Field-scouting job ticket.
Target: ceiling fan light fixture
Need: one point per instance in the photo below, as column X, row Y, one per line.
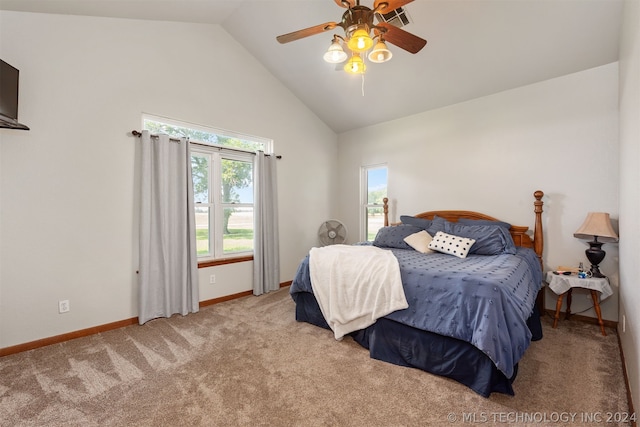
column 355, row 65
column 335, row 54
column 360, row 41
column 380, row 53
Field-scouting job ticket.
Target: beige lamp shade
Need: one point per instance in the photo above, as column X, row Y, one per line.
column 597, row 224
column 380, row 53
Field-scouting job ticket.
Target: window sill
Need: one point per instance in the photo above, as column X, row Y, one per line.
column 223, row 261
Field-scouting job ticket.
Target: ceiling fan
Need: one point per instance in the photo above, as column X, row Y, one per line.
column 357, row 23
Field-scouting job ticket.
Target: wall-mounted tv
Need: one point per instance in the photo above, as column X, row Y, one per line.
column 9, row 78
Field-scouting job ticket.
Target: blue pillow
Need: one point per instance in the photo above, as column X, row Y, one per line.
column 393, row 236
column 418, row 222
column 438, row 224
column 467, row 221
column 490, row 239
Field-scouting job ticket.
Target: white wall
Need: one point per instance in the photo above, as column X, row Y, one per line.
column 630, row 194
column 490, row 154
column 68, row 210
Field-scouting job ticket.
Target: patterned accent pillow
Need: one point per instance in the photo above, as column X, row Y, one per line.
column 420, row 241
column 450, row 244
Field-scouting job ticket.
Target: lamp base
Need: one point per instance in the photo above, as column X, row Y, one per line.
column 595, row 272
column 595, row 255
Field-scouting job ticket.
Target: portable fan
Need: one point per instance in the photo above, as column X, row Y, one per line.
column 332, row 232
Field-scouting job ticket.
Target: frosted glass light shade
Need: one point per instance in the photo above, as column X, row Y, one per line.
column 335, row 54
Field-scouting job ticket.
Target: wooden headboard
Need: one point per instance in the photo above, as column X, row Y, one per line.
column 518, row 232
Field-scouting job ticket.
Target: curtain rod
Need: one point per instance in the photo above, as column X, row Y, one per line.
column 139, row 134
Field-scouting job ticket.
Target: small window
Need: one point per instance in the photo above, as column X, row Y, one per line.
column 374, row 189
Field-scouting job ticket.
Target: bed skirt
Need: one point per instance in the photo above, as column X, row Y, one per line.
column 404, row 345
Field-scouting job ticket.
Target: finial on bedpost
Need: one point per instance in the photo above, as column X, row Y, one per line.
column 385, row 209
column 538, row 240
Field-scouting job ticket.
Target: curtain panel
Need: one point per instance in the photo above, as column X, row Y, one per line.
column 168, row 271
column 266, row 252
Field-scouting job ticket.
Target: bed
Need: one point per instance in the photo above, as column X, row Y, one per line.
column 469, row 317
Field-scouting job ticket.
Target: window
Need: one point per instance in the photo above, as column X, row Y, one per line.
column 374, row 189
column 223, row 181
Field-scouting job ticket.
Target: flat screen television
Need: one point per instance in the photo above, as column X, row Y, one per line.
column 9, row 78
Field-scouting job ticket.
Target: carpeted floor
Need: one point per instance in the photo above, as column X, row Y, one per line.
column 247, row 362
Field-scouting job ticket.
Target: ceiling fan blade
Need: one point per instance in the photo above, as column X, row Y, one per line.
column 347, row 4
column 296, row 35
column 386, row 6
column 402, row 38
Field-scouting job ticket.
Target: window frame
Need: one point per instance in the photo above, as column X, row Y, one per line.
column 215, row 203
column 364, row 198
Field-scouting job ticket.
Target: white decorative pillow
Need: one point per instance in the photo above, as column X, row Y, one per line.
column 419, row 241
column 450, row 244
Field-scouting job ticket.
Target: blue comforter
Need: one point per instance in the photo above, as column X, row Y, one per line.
column 483, row 300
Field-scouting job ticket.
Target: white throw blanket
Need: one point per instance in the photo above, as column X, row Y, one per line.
column 355, row 285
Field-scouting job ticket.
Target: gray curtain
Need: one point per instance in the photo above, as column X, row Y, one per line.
column 168, row 271
column 266, row 253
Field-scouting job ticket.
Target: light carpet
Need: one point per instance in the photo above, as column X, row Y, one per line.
column 247, row 362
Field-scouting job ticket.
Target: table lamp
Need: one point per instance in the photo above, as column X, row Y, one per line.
column 598, row 226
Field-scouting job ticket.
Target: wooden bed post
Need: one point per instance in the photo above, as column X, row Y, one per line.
column 538, row 240
column 385, row 209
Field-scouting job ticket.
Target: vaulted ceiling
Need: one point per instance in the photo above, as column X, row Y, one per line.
column 475, row 47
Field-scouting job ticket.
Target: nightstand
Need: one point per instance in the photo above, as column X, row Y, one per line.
column 563, row 285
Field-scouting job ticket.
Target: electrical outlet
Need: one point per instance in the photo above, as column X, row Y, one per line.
column 63, row 306
column 212, row 279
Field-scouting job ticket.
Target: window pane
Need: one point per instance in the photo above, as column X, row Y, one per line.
column 237, row 181
column 376, row 185
column 375, row 221
column 239, row 143
column 202, row 135
column 200, row 175
column 238, row 230
column 202, row 231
